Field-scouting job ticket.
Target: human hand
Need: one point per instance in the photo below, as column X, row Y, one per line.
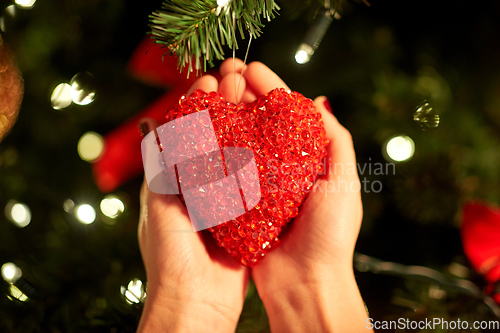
column 307, row 283
column 193, row 285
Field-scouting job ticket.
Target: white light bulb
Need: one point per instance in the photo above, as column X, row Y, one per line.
column 68, row 205
column 82, row 88
column 400, row 148
column 90, row 146
column 302, row 57
column 11, row 273
column 18, row 213
column 303, row 54
column 134, row 293
column 25, row 3
column 111, row 206
column 61, row 96
column 85, row 214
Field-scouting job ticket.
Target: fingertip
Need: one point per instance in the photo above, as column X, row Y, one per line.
column 229, row 66
column 262, row 79
column 341, row 146
column 207, row 83
column 329, row 120
column 256, row 65
column 232, row 87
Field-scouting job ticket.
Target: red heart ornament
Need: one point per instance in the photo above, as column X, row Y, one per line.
column 287, row 137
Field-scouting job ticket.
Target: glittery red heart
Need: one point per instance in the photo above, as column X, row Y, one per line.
column 287, row 137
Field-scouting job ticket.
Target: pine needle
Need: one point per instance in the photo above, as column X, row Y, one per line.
column 196, row 31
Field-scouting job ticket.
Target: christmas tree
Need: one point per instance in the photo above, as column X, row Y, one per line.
column 417, row 86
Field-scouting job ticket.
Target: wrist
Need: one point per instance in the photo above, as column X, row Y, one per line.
column 312, row 279
column 317, row 305
column 164, row 313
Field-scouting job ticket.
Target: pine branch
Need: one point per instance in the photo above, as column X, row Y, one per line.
column 193, row 30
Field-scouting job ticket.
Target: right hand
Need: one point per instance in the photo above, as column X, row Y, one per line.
column 307, row 283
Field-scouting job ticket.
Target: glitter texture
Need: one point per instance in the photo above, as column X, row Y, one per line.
column 287, row 137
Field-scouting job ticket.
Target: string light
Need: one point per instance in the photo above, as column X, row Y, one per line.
column 82, row 88
column 111, row 206
column 90, row 146
column 134, row 293
column 303, row 54
column 11, row 10
column 314, row 36
column 85, row 214
column 18, row 213
column 61, row 96
column 11, row 273
column 400, row 148
column 17, row 293
column 7, row 18
column 25, row 3
column 426, row 116
column 68, row 205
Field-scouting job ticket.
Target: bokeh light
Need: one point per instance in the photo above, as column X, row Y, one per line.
column 11, row 273
column 61, row 96
column 134, row 293
column 426, row 116
column 303, row 54
column 85, row 214
column 82, row 88
column 25, row 3
column 11, row 10
column 90, row 146
column 17, row 293
column 400, row 148
column 68, row 206
column 7, row 18
column 111, row 206
column 18, row 213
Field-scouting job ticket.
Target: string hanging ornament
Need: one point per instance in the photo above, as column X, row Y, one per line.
column 197, row 32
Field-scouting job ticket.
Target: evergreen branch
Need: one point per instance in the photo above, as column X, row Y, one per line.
column 192, row 30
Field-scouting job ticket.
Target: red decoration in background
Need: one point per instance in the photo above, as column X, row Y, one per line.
column 287, row 137
column 121, row 159
column 480, row 232
column 150, row 65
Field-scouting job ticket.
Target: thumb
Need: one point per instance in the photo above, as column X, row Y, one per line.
column 340, row 149
column 161, row 207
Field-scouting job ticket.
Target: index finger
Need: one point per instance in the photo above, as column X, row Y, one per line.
column 262, row 79
column 207, row 83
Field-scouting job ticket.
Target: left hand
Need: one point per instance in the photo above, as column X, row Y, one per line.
column 193, row 285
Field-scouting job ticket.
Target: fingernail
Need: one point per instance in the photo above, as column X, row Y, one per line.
column 143, row 127
column 327, row 105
